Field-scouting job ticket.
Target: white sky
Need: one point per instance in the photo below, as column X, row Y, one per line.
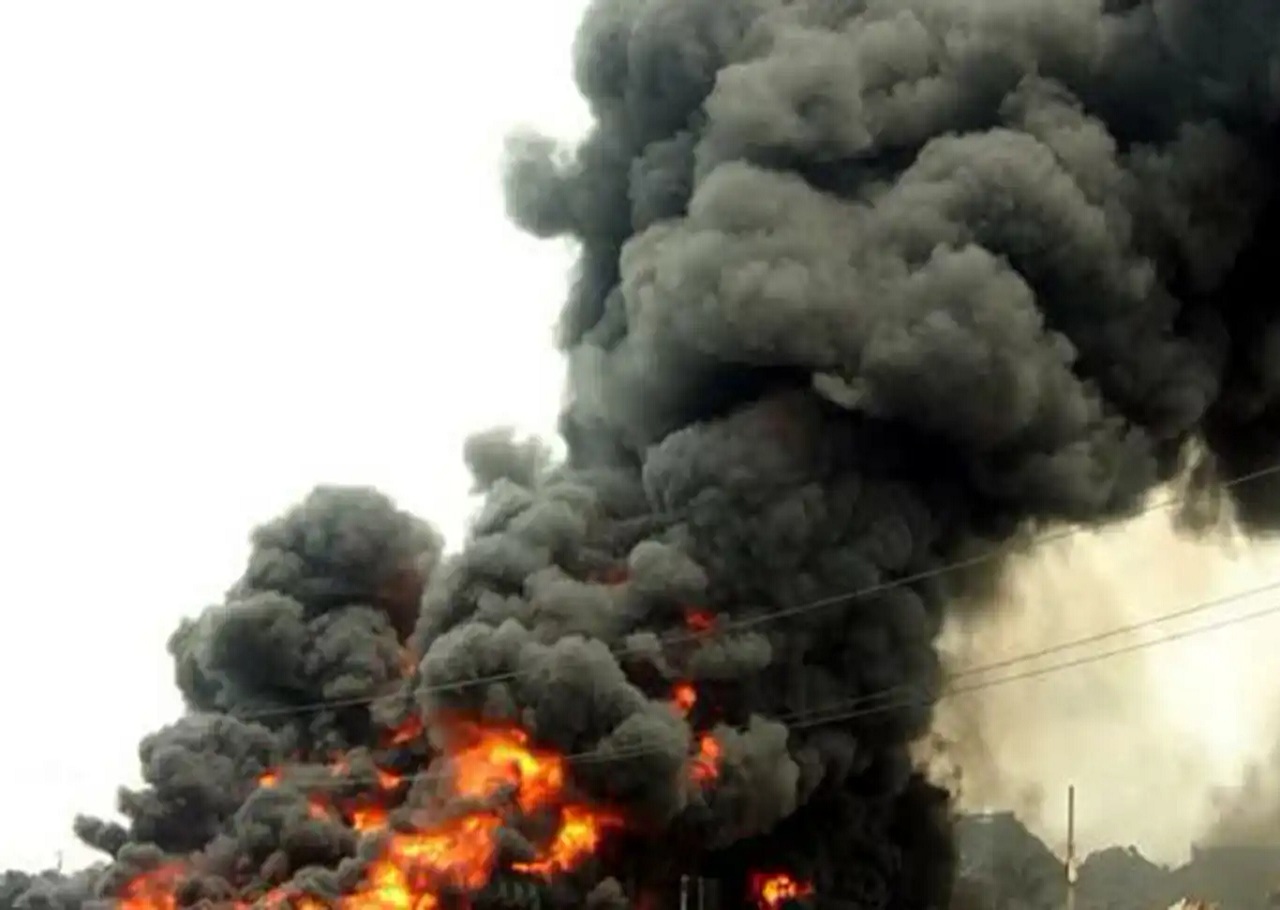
column 245, row 248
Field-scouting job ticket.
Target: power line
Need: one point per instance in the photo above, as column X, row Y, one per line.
column 854, row 708
column 1093, row 638
column 1053, row 668
column 773, row 615
column 1192, row 610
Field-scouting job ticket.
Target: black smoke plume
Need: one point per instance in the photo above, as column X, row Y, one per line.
column 863, row 287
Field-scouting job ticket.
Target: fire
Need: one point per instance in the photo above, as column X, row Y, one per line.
column 697, row 619
column 407, row 731
column 579, row 836
column 705, row 766
column 317, row 806
column 154, row 890
column 770, row 890
column 417, row 865
column 157, row 890
column 364, row 815
column 498, row 768
column 684, row 696
column 368, row 818
column 283, row 899
column 500, row 758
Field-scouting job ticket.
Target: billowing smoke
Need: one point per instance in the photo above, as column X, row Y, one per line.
column 864, row 287
column 1247, row 811
column 1184, row 701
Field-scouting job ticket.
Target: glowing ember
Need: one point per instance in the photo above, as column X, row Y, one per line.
column 771, row 890
column 409, row 730
column 699, row 620
column 684, row 696
column 318, row 809
column 705, row 766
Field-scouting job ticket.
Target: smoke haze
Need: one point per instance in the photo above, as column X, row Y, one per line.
column 1183, row 717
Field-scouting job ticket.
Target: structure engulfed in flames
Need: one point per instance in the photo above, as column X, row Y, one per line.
column 494, row 772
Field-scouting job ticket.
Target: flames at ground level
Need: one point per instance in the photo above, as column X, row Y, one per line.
column 499, row 778
column 491, row 776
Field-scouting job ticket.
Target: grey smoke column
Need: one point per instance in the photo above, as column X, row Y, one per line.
column 865, row 284
column 863, row 287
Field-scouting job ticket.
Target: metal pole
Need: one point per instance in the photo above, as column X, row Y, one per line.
column 684, row 892
column 1071, row 847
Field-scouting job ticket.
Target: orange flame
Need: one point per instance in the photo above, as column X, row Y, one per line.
column 414, row 867
column 500, row 758
column 368, row 818
column 705, row 766
column 360, row 814
column 770, row 890
column 684, row 696
column 282, row 898
column 153, row 890
column 581, row 828
column 318, row 807
column 407, row 731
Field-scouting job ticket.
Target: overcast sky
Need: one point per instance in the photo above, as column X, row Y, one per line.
column 248, row 247
column 245, row 247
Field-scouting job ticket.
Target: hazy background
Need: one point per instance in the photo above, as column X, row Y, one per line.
column 246, row 248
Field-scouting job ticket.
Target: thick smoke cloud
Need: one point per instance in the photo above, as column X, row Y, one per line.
column 319, row 616
column 863, row 286
column 1184, row 711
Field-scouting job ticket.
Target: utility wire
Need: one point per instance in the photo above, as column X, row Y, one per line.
column 749, row 622
column 1092, row 638
column 857, row 707
column 1045, row 671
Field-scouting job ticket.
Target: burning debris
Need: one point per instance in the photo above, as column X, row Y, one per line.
column 864, row 288
column 772, row 890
